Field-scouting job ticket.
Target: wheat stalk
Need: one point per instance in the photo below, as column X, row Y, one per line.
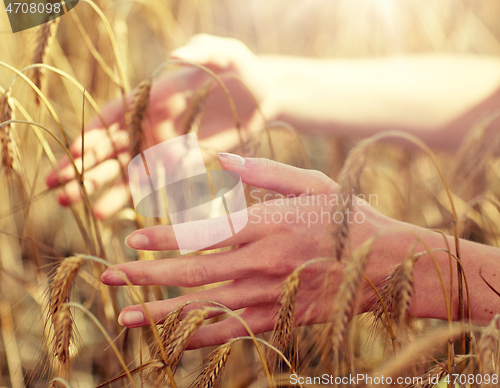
column 46, row 34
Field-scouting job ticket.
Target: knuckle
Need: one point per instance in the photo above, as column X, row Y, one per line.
column 322, row 178
column 140, row 276
column 268, row 165
column 196, row 274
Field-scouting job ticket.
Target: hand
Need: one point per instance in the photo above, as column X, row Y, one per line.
column 281, row 234
column 165, row 118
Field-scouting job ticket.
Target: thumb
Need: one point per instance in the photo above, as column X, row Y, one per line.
column 271, row 175
column 218, row 54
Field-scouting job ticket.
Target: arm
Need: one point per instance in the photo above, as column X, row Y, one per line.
column 428, row 300
column 435, row 97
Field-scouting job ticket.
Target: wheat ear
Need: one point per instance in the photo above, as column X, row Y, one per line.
column 138, row 110
column 11, row 158
column 167, row 328
column 46, row 34
column 195, row 108
column 211, row 375
column 180, row 337
column 282, row 332
column 349, row 185
column 488, row 348
column 344, row 301
column 63, row 282
column 63, row 334
column 398, row 290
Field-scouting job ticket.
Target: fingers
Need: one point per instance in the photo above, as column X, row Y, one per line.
column 235, row 296
column 185, row 272
column 215, row 52
column 112, row 201
column 163, row 237
column 282, row 178
column 104, row 173
column 98, row 148
column 259, row 319
column 112, row 113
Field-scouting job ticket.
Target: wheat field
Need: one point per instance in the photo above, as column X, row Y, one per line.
column 58, row 322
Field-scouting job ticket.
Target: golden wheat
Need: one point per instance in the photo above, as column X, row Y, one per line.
column 137, row 113
column 46, row 34
column 349, row 185
column 10, row 151
column 214, row 368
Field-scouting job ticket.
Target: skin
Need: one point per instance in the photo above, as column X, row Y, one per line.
column 435, row 98
column 267, row 252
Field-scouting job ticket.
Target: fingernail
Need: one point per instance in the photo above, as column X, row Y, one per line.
column 51, row 180
column 233, row 159
column 137, row 241
column 131, row 318
column 63, row 199
column 113, row 277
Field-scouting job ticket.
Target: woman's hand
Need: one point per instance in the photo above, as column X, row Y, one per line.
column 165, row 119
column 281, row 234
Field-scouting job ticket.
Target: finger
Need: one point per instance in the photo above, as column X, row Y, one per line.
column 164, row 237
column 234, row 296
column 94, row 179
column 215, row 52
column 112, row 201
column 282, row 178
column 112, row 113
column 185, row 272
column 98, row 148
column 259, row 319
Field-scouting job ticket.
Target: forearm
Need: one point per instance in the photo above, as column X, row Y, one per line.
column 426, row 95
column 428, row 301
